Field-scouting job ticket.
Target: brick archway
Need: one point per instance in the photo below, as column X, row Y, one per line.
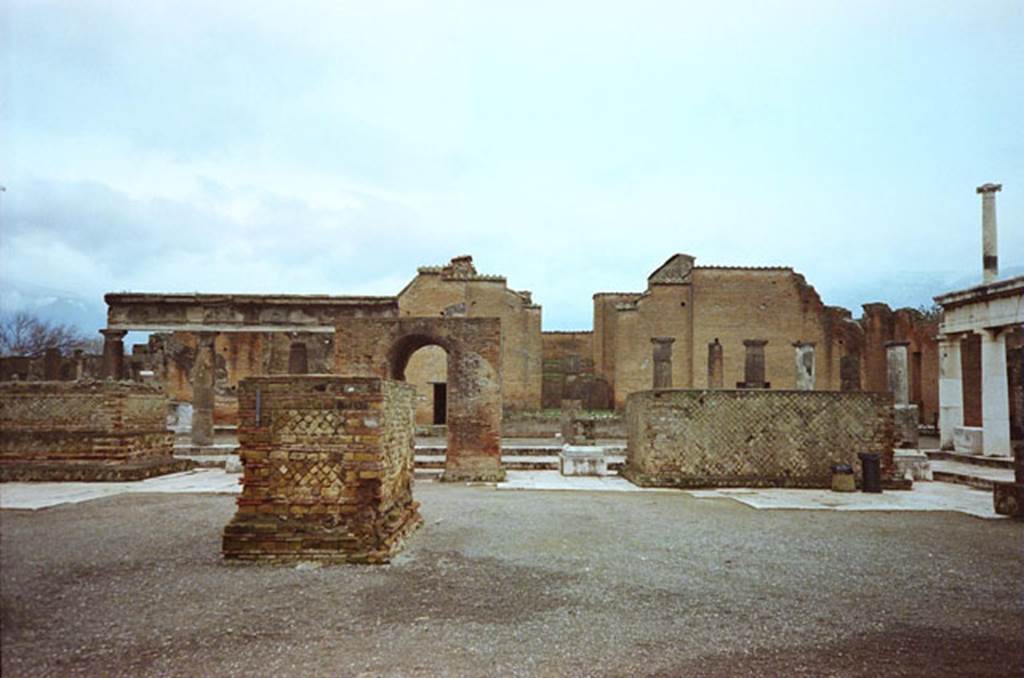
column 381, row 347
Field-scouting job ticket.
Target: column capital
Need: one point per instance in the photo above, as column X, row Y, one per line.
column 113, row 334
column 663, row 340
column 755, row 342
column 894, row 344
column 989, row 188
column 804, row 344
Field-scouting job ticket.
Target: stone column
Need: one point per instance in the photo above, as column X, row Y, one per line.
column 204, row 370
column 804, row 354
column 79, row 364
column 298, row 358
column 716, row 365
column 897, row 371
column 995, row 394
column 989, row 244
column 662, row 349
column 51, row 364
column 951, row 389
column 113, row 354
column 753, row 366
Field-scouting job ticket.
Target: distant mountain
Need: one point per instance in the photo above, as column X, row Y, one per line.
column 54, row 305
column 901, row 289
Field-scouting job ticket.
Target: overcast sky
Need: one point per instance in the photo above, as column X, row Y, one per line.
column 332, row 147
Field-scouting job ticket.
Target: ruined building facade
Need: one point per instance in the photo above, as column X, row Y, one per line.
column 692, row 327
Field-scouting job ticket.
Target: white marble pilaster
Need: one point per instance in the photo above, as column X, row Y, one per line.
column 951, row 389
column 995, row 394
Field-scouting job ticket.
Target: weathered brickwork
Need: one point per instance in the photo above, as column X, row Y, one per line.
column 569, row 371
column 327, row 470
column 86, row 430
column 882, row 325
column 382, row 347
column 753, row 438
column 457, row 290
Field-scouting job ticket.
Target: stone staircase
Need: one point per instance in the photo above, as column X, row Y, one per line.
column 516, row 456
column 970, row 469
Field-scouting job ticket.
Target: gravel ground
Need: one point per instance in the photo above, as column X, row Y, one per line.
column 519, row 583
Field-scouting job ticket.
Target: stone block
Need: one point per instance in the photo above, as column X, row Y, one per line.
column 912, row 465
column 905, row 419
column 968, row 439
column 582, row 460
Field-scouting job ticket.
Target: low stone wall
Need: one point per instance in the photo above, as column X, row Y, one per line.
column 762, row 438
column 84, row 430
column 328, row 469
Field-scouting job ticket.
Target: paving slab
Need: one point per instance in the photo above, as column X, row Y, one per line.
column 34, row 496
column 926, row 496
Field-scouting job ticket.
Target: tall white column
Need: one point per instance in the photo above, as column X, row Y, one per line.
column 989, row 244
column 995, row 394
column 951, row 389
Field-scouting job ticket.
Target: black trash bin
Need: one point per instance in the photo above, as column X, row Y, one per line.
column 871, row 472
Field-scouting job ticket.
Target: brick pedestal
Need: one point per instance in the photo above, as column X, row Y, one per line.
column 328, row 469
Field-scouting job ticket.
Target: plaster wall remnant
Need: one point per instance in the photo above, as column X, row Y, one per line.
column 754, row 438
column 803, row 355
column 382, row 347
column 327, row 470
column 84, row 431
column 661, row 354
column 298, row 358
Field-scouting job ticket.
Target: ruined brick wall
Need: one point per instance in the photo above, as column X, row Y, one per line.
column 753, row 438
column 569, row 372
column 882, row 325
column 776, row 304
column 457, row 290
column 728, row 304
column 605, row 323
column 383, row 347
column 328, row 469
column 239, row 355
column 85, row 430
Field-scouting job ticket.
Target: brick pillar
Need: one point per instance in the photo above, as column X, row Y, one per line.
column 716, row 365
column 662, row 349
column 898, row 371
column 113, row 354
column 204, row 370
column 298, row 358
column 51, row 364
column 804, row 356
column 995, row 394
column 951, row 389
column 753, row 366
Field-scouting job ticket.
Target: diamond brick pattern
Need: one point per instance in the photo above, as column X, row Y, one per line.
column 753, row 438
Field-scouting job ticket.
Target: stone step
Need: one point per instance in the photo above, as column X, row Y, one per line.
column 520, row 450
column 972, row 459
column 972, row 475
column 515, row 462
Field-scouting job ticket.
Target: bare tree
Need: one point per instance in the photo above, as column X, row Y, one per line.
column 24, row 334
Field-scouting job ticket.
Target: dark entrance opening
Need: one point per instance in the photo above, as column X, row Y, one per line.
column 440, row 403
